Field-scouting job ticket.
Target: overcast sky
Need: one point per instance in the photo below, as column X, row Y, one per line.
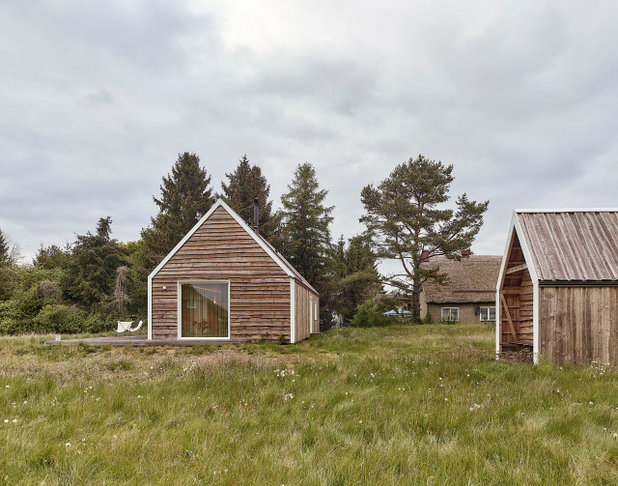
column 98, row 98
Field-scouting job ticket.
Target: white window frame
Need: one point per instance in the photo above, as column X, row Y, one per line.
column 488, row 308
column 180, row 337
column 449, row 313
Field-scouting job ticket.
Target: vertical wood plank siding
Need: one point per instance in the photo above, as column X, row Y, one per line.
column 579, row 324
column 305, row 315
column 222, row 250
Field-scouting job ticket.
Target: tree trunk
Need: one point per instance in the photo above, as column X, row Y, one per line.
column 416, row 299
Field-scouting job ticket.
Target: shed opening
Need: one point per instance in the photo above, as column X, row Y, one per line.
column 516, row 302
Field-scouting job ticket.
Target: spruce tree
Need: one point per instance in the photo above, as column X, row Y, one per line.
column 5, row 251
column 90, row 271
column 244, row 185
column 306, row 223
column 407, row 221
column 186, row 196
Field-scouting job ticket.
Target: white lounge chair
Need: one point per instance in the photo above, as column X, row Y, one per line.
column 124, row 326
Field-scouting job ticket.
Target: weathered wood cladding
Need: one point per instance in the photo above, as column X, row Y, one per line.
column 305, row 319
column 579, row 324
column 222, row 250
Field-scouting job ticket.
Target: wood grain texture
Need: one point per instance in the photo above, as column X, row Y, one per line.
column 578, row 324
column 222, row 250
column 570, row 246
column 305, row 320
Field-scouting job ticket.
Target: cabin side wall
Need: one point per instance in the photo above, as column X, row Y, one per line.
column 222, row 250
column 305, row 319
column 579, row 324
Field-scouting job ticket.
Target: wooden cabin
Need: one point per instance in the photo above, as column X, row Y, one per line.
column 557, row 292
column 468, row 295
column 225, row 282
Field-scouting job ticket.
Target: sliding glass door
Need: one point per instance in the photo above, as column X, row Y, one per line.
column 204, row 309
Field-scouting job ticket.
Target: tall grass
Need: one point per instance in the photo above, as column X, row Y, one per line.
column 397, row 405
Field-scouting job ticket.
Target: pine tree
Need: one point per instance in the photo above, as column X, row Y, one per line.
column 407, row 221
column 90, row 271
column 5, row 250
column 7, row 271
column 186, row 196
column 353, row 276
column 306, row 223
column 244, row 185
column 50, row 257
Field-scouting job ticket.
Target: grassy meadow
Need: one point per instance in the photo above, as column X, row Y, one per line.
column 389, row 406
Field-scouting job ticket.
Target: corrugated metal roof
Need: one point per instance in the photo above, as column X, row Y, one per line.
column 470, row 280
column 572, row 245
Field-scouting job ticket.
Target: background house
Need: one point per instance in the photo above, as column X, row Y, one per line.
column 469, row 293
column 557, row 291
column 225, row 282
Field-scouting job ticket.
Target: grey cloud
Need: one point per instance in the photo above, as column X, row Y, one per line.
column 98, row 99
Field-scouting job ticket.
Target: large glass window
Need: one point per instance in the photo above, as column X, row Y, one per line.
column 450, row 314
column 205, row 309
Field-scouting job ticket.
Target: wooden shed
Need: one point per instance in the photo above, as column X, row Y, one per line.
column 225, row 282
column 557, row 291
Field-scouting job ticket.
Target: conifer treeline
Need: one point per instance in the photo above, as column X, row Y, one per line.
column 98, row 279
column 90, row 282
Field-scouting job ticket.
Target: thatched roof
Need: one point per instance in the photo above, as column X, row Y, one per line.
column 471, row 280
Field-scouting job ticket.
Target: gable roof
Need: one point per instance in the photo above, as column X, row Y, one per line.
column 471, row 280
column 570, row 244
column 259, row 239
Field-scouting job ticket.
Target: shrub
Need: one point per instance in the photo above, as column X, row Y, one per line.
column 56, row 318
column 12, row 318
column 369, row 314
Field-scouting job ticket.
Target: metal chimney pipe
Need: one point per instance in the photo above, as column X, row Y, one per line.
column 256, row 215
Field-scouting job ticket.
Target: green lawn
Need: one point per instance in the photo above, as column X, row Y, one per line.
column 390, row 406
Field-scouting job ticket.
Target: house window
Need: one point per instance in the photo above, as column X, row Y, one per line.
column 487, row 314
column 450, row 314
column 204, row 310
